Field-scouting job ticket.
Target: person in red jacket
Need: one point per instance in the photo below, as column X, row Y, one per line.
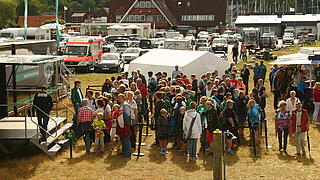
column 142, row 88
column 298, row 126
column 316, row 102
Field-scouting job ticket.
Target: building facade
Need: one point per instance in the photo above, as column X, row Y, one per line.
column 171, row 14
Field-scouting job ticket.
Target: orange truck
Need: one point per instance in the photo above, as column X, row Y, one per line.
column 83, row 52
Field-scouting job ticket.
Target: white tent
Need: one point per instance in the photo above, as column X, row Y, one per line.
column 52, row 26
column 189, row 62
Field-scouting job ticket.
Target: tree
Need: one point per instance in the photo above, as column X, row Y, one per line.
column 61, row 21
column 75, row 6
column 7, row 12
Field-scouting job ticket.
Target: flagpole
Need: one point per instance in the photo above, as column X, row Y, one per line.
column 57, row 22
column 25, row 19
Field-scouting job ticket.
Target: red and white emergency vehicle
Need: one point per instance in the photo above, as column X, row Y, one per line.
column 83, row 52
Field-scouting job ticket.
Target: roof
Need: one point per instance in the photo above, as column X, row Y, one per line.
column 78, row 14
column 274, row 19
column 35, row 21
column 29, row 59
column 189, row 62
column 163, row 57
column 165, row 11
column 300, row 18
column 258, row 19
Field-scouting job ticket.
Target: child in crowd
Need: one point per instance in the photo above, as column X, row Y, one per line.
column 163, row 131
column 113, row 136
column 98, row 125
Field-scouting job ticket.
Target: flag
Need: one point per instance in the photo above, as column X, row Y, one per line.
column 58, row 34
column 25, row 19
column 292, row 9
column 65, row 8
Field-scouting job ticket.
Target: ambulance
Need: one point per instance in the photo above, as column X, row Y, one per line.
column 83, row 53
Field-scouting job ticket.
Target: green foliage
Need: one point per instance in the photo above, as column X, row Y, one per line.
column 7, row 12
column 61, row 21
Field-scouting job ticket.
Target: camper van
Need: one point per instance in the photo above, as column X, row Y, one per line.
column 251, row 37
column 83, row 52
column 18, row 34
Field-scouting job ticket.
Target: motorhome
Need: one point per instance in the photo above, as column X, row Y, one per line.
column 19, row 33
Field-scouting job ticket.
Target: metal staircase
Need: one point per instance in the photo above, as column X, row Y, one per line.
column 26, row 127
column 55, row 140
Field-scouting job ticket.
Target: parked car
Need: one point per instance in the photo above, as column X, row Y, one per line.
column 203, row 34
column 110, row 62
column 109, row 49
column 147, row 44
column 238, row 37
column 209, row 49
column 190, row 37
column 220, row 44
column 122, row 45
column 130, row 54
column 288, row 38
column 232, row 39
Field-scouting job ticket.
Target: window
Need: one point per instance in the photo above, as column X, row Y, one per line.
column 197, row 17
column 188, row 3
column 142, row 4
column 148, row 4
column 137, row 18
column 137, row 5
column 149, row 18
column 118, row 18
column 142, row 18
column 131, row 18
column 153, row 5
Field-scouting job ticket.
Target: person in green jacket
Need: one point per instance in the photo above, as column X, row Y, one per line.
column 202, row 111
column 263, row 69
column 76, row 99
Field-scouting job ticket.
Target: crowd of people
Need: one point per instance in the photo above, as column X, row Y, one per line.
column 183, row 109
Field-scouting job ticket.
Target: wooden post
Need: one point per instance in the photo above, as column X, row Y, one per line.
column 217, row 155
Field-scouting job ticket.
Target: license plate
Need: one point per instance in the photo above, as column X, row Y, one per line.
column 105, row 68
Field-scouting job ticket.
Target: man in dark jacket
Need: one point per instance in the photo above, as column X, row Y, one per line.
column 240, row 108
column 213, row 122
column 43, row 104
column 245, row 73
column 106, row 87
column 276, row 87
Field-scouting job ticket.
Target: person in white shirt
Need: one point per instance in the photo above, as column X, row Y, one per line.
column 192, row 129
column 292, row 101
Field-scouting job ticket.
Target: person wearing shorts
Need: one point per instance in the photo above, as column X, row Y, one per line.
column 163, row 131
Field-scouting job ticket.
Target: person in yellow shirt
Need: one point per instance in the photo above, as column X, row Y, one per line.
column 98, row 125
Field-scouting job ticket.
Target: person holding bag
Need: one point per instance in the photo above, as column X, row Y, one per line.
column 192, row 129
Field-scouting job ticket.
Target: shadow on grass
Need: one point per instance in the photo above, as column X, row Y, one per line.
column 116, row 162
column 183, row 163
column 155, row 156
column 85, row 157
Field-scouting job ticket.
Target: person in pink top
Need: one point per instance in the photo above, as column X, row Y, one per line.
column 241, row 85
column 316, row 102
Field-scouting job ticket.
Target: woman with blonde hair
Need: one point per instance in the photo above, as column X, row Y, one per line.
column 316, row 102
column 282, row 118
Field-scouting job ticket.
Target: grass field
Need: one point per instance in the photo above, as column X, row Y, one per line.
column 269, row 165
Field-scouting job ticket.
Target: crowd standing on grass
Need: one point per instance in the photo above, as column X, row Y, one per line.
column 183, row 109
